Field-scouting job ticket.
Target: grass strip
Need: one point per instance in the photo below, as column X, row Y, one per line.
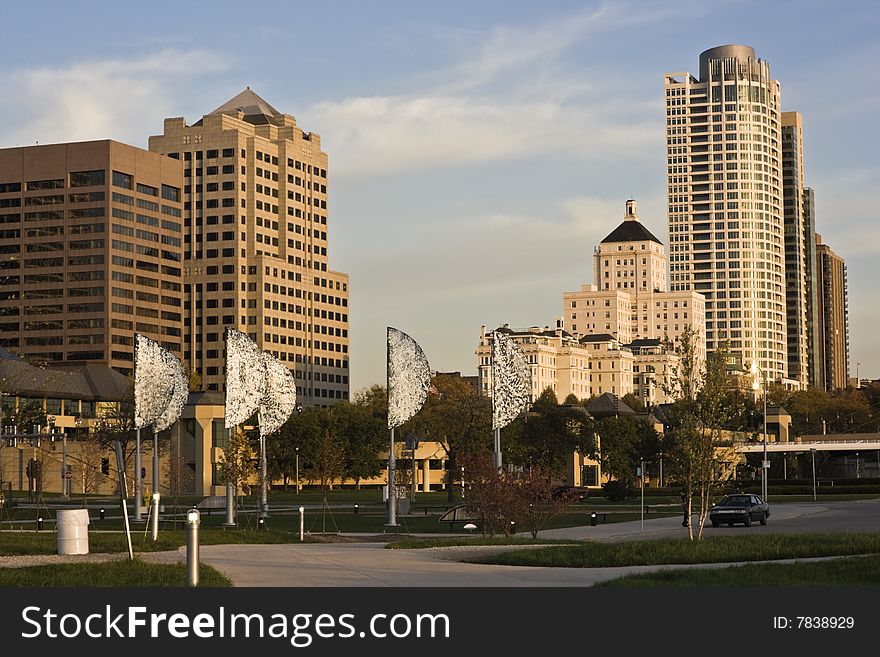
column 121, row 573
column 712, row 549
column 457, row 541
column 17, row 543
column 849, row 571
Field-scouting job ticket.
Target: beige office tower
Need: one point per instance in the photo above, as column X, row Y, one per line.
column 256, row 245
column 833, row 315
column 724, row 186
column 796, row 252
column 91, row 241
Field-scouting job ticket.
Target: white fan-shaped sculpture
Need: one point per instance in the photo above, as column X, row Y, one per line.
column 511, row 380
column 245, row 377
column 409, row 377
column 279, row 399
column 160, row 385
column 256, row 381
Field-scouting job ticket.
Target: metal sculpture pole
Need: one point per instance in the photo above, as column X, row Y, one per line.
column 264, row 484
column 392, row 488
column 138, row 486
column 230, row 505
column 123, row 496
column 155, row 484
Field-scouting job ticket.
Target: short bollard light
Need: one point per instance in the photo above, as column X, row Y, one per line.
column 512, row 528
column 102, row 512
column 261, row 523
column 356, row 508
column 594, row 519
column 40, row 524
column 302, row 523
column 192, row 547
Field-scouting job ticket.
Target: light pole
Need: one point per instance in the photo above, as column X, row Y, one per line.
column 297, row 470
column 813, row 455
column 65, row 482
column 765, row 464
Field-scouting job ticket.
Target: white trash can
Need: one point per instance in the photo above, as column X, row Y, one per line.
column 72, row 527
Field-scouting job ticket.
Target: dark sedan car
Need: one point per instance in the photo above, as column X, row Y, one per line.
column 742, row 507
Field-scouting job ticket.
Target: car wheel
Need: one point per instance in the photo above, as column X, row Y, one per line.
column 730, row 524
column 764, row 518
column 748, row 520
column 714, row 523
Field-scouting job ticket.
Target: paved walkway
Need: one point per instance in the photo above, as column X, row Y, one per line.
column 370, row 564
column 669, row 527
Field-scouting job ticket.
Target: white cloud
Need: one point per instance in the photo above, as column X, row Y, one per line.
column 381, row 135
column 501, row 100
column 124, row 99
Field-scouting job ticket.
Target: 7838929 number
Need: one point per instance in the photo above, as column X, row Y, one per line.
column 825, row 622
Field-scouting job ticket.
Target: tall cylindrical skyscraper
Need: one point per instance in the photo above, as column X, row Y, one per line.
column 725, row 202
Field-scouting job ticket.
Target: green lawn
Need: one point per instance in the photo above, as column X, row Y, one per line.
column 713, row 549
column 44, row 542
column 851, row 571
column 421, row 543
column 122, row 573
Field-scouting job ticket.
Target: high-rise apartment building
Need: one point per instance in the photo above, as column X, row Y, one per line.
column 91, row 239
column 796, row 263
column 811, row 277
column 256, row 245
column 834, row 316
column 725, row 202
column 629, row 299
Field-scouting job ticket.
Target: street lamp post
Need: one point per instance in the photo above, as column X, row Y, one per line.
column 297, row 470
column 813, row 455
column 765, row 464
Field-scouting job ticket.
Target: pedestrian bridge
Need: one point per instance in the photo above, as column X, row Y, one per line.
column 832, row 445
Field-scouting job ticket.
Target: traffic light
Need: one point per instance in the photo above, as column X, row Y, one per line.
column 105, row 466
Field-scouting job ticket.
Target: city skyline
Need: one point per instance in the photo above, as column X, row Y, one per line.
column 480, row 155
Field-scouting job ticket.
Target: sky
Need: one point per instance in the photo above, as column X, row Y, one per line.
column 478, row 151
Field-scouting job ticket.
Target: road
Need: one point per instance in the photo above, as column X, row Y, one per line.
column 370, row 565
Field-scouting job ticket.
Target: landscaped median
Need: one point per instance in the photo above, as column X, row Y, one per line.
column 713, row 549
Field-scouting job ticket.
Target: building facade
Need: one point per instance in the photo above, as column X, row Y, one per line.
column 256, row 245
column 91, row 239
column 556, row 358
column 585, row 365
column 811, row 277
column 796, row 257
column 833, row 315
column 629, row 299
column 725, row 202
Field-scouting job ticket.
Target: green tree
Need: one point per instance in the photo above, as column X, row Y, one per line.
column 550, row 434
column 238, row 461
column 697, row 443
column 281, row 453
column 362, row 435
column 623, row 442
column 459, row 418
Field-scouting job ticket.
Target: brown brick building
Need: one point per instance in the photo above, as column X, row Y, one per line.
column 91, row 250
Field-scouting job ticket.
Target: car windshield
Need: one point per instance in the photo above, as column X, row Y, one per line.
column 735, row 500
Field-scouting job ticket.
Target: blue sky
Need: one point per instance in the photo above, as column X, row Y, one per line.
column 478, row 151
